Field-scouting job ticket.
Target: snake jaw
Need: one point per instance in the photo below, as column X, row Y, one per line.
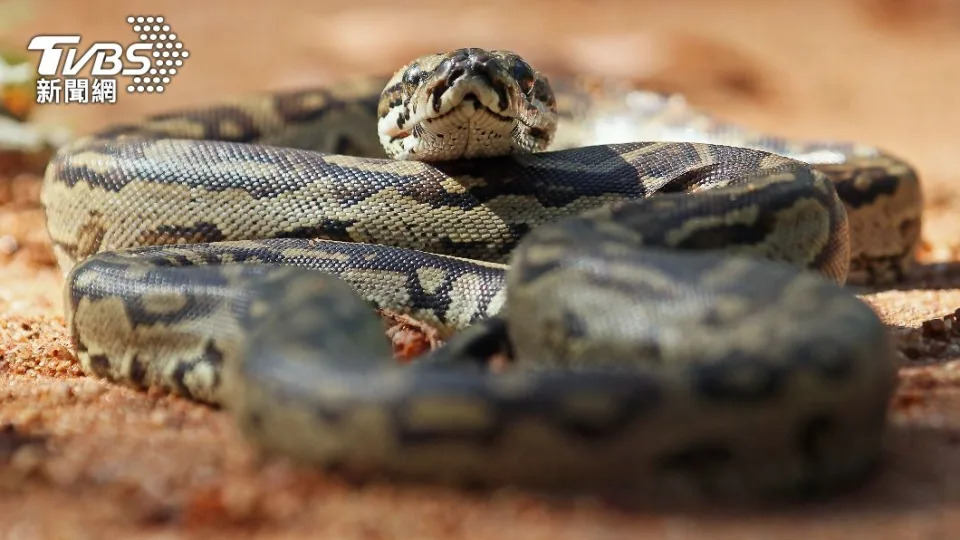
column 463, row 104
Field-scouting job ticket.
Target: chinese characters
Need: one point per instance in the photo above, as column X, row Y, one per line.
column 76, row 90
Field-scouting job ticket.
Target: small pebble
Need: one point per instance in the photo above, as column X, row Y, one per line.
column 27, row 459
column 88, row 389
column 60, row 391
column 934, row 328
column 159, row 417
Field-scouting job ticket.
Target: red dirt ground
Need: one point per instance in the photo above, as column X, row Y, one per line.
column 81, row 458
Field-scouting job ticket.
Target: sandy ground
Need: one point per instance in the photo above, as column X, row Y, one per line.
column 80, row 458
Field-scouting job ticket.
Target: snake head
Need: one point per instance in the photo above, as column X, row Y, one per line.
column 466, row 103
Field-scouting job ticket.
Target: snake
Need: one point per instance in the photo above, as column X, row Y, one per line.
column 668, row 289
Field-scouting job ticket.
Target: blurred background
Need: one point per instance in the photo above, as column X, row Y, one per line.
column 885, row 72
column 880, row 72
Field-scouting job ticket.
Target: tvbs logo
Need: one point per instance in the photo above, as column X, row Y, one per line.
column 151, row 62
column 107, row 57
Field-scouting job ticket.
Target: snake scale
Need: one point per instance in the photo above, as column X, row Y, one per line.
column 673, row 311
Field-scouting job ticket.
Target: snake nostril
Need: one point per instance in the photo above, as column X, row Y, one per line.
column 476, row 62
column 455, row 73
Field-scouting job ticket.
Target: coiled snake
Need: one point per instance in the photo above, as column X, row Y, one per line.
column 663, row 339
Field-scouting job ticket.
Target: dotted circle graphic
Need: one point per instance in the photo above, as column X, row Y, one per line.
column 167, row 52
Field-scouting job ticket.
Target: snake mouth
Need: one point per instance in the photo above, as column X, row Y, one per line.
column 439, row 126
column 473, row 101
column 460, row 112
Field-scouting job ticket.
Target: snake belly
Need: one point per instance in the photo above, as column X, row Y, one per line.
column 665, row 340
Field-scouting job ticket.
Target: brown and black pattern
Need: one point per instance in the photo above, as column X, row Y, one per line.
column 669, row 332
column 881, row 191
column 299, row 193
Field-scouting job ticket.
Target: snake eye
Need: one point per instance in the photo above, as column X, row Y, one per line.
column 523, row 74
column 413, row 75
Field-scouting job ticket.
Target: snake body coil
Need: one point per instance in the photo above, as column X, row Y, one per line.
column 663, row 339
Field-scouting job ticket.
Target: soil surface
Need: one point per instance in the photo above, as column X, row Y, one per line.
column 82, row 458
